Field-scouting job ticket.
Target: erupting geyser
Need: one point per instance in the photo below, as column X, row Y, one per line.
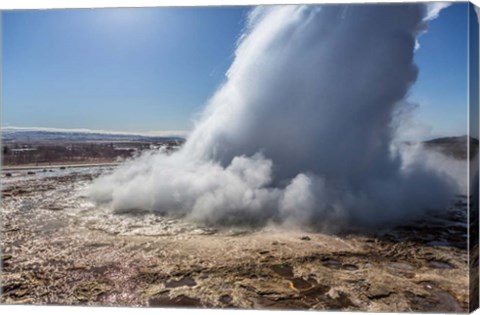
column 301, row 131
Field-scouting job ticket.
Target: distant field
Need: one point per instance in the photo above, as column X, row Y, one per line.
column 35, row 148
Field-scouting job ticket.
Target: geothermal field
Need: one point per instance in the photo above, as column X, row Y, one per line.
column 59, row 247
column 295, row 189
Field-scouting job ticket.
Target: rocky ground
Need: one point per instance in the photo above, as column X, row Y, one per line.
column 59, row 248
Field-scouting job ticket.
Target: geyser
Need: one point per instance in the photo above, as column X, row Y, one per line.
column 302, row 130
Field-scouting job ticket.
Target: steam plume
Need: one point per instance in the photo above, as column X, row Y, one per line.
column 301, row 131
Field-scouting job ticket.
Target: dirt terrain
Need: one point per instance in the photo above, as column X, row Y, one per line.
column 59, row 248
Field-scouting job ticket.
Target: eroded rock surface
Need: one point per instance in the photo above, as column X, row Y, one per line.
column 59, row 248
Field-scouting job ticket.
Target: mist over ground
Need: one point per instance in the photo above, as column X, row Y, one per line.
column 302, row 132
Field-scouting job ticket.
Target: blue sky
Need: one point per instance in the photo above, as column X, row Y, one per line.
column 139, row 70
column 441, row 89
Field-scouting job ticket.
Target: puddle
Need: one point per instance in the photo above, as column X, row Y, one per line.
column 447, row 302
column 349, row 267
column 438, row 300
column 437, row 264
column 332, row 263
column 301, row 284
column 283, row 270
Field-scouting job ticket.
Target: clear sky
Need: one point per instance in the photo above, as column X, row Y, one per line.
column 140, row 70
column 442, row 86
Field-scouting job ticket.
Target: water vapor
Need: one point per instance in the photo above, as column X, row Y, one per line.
column 301, row 132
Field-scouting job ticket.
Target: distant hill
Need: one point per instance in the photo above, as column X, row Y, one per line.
column 456, row 147
column 32, row 135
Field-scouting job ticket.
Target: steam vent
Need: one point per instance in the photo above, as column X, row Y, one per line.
column 315, row 157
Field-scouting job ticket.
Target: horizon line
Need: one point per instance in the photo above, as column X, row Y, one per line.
column 152, row 133
column 170, row 133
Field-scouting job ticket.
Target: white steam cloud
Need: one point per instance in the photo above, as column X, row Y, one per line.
column 433, row 11
column 302, row 130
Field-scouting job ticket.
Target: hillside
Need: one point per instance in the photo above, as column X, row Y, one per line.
column 456, row 147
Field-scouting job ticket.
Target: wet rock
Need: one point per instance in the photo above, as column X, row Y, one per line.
column 55, row 208
column 185, row 281
column 419, row 303
column 96, row 245
column 311, row 279
column 179, row 301
column 401, row 269
column 447, row 302
column 333, row 293
column 428, row 285
column 90, row 291
column 23, row 301
column 332, row 263
column 437, row 264
column 239, row 279
column 401, row 266
column 283, row 270
column 316, row 291
column 248, row 287
column 78, row 267
column 225, row 299
column 289, row 303
column 21, row 293
column 99, row 270
column 341, row 302
column 437, row 301
column 378, row 293
column 203, row 276
column 6, row 257
column 349, row 267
